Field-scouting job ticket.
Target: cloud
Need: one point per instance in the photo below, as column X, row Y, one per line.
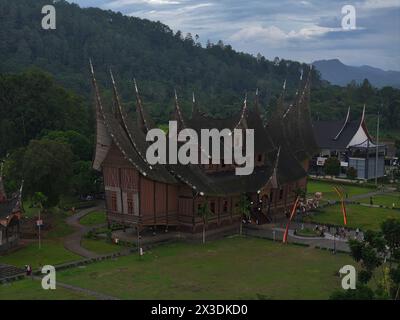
column 124, row 3
column 380, row 4
column 275, row 35
column 304, row 30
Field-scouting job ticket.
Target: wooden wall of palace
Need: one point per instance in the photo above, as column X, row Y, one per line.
column 133, row 198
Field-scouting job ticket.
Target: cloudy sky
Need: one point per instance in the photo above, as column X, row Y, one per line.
column 300, row 30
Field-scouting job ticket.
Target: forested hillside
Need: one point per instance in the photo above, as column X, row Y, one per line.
column 46, row 114
column 160, row 59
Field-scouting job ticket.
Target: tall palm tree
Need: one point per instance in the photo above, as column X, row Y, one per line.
column 243, row 208
column 204, row 212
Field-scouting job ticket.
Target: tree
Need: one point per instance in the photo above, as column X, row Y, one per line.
column 80, row 144
column 377, row 249
column 39, row 200
column 84, row 180
column 13, row 167
column 47, row 168
column 243, row 208
column 351, row 173
column 204, row 212
column 32, row 102
column 397, row 145
column 332, row 166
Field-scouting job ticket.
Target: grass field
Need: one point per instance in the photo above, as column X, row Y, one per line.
column 329, row 194
column 235, row 268
column 94, row 218
column 100, row 246
column 384, row 200
column 52, row 252
column 365, row 218
column 32, row 290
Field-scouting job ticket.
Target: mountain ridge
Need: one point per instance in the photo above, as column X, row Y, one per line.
column 338, row 73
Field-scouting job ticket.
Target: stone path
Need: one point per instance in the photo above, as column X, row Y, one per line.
column 73, row 241
column 95, row 294
column 366, row 196
column 274, row 233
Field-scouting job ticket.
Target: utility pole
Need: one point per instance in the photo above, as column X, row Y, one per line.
column 377, row 148
column 39, row 225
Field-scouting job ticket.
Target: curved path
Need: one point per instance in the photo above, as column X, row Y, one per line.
column 73, row 241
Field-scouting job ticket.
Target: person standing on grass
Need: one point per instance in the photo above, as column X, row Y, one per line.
column 28, row 270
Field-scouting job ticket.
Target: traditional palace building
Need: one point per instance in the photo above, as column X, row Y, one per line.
column 142, row 195
column 350, row 142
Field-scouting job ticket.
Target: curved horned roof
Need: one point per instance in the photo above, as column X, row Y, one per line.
column 286, row 132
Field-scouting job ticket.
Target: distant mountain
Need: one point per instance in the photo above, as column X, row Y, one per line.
column 340, row 74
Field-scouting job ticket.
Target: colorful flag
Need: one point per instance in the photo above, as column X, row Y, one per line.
column 343, row 205
column 285, row 235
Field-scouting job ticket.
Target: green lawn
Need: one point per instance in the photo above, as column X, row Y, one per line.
column 94, row 218
column 384, row 200
column 329, row 194
column 60, row 228
column 235, row 268
column 365, row 218
column 100, row 246
column 32, row 290
column 52, row 252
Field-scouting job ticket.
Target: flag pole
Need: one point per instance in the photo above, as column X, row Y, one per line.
column 377, row 149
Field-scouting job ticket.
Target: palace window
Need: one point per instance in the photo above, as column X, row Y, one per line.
column 114, row 201
column 225, row 206
column 265, row 201
column 281, row 194
column 212, row 207
column 130, row 205
column 259, row 157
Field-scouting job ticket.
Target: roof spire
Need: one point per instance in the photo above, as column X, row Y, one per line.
column 117, row 104
column 178, row 112
column 346, row 121
column 121, row 116
column 103, row 140
column 363, row 114
column 274, row 176
column 99, row 105
column 257, row 101
column 139, row 109
column 194, row 109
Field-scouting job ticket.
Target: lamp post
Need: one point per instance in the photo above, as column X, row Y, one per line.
column 334, row 241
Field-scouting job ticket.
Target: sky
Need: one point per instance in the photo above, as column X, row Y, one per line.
column 304, row 31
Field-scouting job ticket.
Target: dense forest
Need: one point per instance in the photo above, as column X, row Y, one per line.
column 45, row 92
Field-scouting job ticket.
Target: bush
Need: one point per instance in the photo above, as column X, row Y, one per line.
column 332, row 166
column 351, row 173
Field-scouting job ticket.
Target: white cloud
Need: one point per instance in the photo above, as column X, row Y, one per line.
column 273, row 34
column 380, row 4
column 123, row 3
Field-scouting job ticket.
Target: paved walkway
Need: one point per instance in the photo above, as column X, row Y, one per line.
column 95, row 294
column 73, row 241
column 276, row 234
column 368, row 195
